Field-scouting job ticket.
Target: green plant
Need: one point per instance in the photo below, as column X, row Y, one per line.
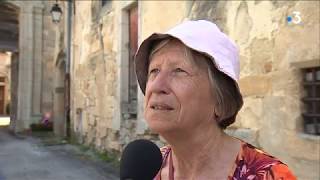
column 41, row 127
column 84, row 148
column 105, row 156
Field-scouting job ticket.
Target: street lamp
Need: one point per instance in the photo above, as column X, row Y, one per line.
column 56, row 13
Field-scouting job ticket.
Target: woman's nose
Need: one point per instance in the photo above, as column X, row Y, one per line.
column 160, row 84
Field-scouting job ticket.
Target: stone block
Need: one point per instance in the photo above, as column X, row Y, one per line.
column 98, row 143
column 257, row 85
column 85, row 124
column 245, row 134
column 102, row 131
column 272, row 121
column 92, row 120
column 114, row 145
column 286, row 82
column 243, row 22
column 261, row 51
column 250, row 114
column 294, row 144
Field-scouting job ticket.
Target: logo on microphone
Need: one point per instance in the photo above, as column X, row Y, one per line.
column 294, row 18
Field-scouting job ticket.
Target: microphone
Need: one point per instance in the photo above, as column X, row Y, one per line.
column 140, row 160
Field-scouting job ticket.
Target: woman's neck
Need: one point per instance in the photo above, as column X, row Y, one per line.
column 195, row 152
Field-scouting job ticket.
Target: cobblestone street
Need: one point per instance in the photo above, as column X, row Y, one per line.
column 26, row 158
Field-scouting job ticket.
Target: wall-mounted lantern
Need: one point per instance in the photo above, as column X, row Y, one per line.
column 56, row 13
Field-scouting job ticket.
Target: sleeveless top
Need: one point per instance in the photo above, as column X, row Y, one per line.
column 250, row 164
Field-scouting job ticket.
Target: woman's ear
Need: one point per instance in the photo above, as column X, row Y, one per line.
column 216, row 115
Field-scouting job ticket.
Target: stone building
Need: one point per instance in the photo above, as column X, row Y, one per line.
column 91, row 50
column 106, row 105
column 26, row 31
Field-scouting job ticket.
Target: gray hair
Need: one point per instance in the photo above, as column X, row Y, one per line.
column 226, row 93
column 163, row 42
column 228, row 99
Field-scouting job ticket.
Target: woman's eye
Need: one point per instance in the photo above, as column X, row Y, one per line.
column 153, row 71
column 179, row 70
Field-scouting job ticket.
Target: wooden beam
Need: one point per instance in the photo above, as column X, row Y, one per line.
column 8, row 26
column 8, row 47
column 9, row 12
column 8, row 36
column 8, row 19
column 8, row 7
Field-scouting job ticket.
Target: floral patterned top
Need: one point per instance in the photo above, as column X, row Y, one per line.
column 251, row 164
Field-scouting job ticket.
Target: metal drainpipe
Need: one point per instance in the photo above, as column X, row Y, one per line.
column 69, row 36
column 67, row 75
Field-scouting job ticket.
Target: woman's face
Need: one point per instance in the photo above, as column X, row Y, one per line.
column 178, row 94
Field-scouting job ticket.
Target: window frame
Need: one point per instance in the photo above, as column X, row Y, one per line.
column 312, row 80
column 311, row 101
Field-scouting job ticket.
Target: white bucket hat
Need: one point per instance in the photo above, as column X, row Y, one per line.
column 202, row 36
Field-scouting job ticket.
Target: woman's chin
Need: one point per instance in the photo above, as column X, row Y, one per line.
column 159, row 127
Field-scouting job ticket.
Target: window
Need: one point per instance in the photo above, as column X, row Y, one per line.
column 2, row 79
column 311, row 116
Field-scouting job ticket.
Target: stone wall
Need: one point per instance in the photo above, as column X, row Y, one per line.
column 94, row 74
column 48, row 54
column 34, row 63
column 271, row 86
column 14, row 89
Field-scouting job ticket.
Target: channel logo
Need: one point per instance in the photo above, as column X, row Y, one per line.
column 294, row 18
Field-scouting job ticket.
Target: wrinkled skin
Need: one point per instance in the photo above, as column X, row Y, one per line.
column 178, row 94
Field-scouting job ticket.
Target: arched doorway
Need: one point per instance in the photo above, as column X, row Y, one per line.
column 9, row 47
column 21, row 32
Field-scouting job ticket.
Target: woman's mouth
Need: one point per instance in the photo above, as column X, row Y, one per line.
column 161, row 107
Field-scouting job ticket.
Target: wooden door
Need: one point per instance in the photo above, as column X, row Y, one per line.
column 2, row 100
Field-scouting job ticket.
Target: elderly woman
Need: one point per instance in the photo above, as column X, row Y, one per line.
column 189, row 78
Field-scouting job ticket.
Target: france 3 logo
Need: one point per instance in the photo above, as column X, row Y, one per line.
column 294, row 18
